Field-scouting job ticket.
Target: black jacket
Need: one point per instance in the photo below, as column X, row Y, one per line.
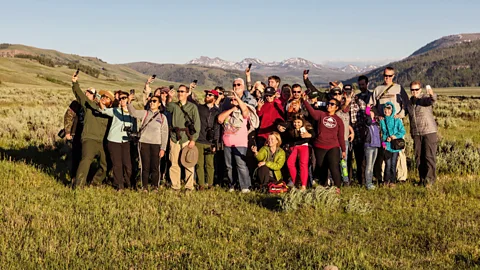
column 208, row 120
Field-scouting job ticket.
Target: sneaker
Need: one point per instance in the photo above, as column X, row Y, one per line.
column 290, row 184
column 346, row 183
column 303, row 188
column 231, row 190
column 245, row 190
column 371, row 187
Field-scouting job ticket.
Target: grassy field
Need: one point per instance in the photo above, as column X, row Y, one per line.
column 47, row 225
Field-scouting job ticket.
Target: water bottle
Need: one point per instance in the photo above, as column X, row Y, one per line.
column 343, row 164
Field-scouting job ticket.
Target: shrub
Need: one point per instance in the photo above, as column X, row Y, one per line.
column 318, row 198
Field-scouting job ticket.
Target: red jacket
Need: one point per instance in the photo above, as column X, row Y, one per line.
column 330, row 129
column 269, row 114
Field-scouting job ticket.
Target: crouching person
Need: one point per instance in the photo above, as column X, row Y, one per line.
column 184, row 132
column 271, row 159
column 153, row 140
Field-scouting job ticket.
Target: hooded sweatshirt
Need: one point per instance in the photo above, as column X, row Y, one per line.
column 391, row 126
column 270, row 113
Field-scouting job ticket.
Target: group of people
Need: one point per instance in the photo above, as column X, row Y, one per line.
column 252, row 136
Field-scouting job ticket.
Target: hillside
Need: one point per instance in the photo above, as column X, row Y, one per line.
column 455, row 66
column 206, row 76
column 20, row 64
column 447, row 41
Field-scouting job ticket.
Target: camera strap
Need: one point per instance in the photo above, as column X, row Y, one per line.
column 150, row 120
column 189, row 119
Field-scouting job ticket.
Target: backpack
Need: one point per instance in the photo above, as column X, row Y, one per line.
column 277, row 187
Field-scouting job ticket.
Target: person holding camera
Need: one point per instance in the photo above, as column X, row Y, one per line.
column 235, row 140
column 95, row 126
column 118, row 142
column 207, row 139
column 423, row 129
column 152, row 137
column 183, row 134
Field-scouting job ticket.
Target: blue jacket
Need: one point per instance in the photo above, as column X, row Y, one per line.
column 395, row 128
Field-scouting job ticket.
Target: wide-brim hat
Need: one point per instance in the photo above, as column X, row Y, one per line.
column 107, row 93
column 189, row 157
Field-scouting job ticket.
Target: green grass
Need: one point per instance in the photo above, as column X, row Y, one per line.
column 45, row 224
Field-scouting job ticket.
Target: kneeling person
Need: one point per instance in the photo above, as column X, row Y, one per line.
column 271, row 160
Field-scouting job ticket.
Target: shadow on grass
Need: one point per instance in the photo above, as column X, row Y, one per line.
column 48, row 159
column 268, row 201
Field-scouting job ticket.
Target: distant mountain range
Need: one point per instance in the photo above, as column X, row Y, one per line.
column 289, row 68
column 449, row 61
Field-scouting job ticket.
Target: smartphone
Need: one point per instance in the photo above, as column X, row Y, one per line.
column 303, row 130
column 76, row 72
column 150, row 95
column 249, row 66
column 171, row 86
column 195, row 81
column 132, row 91
column 428, row 87
column 154, row 76
column 306, row 71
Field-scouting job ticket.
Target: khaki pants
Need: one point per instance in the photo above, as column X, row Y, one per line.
column 402, row 169
column 175, row 170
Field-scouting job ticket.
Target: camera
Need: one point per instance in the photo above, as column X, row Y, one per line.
column 191, row 127
column 210, row 134
column 132, row 136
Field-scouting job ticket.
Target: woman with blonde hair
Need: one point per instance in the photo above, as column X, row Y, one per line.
column 271, row 159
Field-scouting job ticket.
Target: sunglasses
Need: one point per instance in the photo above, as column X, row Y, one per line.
column 337, row 94
column 415, row 89
column 237, row 84
column 181, row 91
column 220, row 93
column 209, row 95
column 123, row 98
column 154, row 101
column 331, row 104
column 90, row 92
column 297, row 92
column 388, row 76
column 104, row 97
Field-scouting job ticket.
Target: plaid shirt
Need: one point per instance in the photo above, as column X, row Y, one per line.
column 357, row 119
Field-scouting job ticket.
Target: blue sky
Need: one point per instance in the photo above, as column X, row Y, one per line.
column 178, row 31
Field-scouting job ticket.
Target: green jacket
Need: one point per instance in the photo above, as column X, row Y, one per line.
column 95, row 123
column 179, row 119
column 277, row 163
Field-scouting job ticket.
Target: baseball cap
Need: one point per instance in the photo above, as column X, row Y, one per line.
column 270, row 91
column 91, row 90
column 213, row 91
column 336, row 89
column 348, row 88
column 336, row 84
column 314, row 94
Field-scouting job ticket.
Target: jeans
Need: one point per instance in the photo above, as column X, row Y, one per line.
column 390, row 174
column 370, row 156
column 238, row 154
